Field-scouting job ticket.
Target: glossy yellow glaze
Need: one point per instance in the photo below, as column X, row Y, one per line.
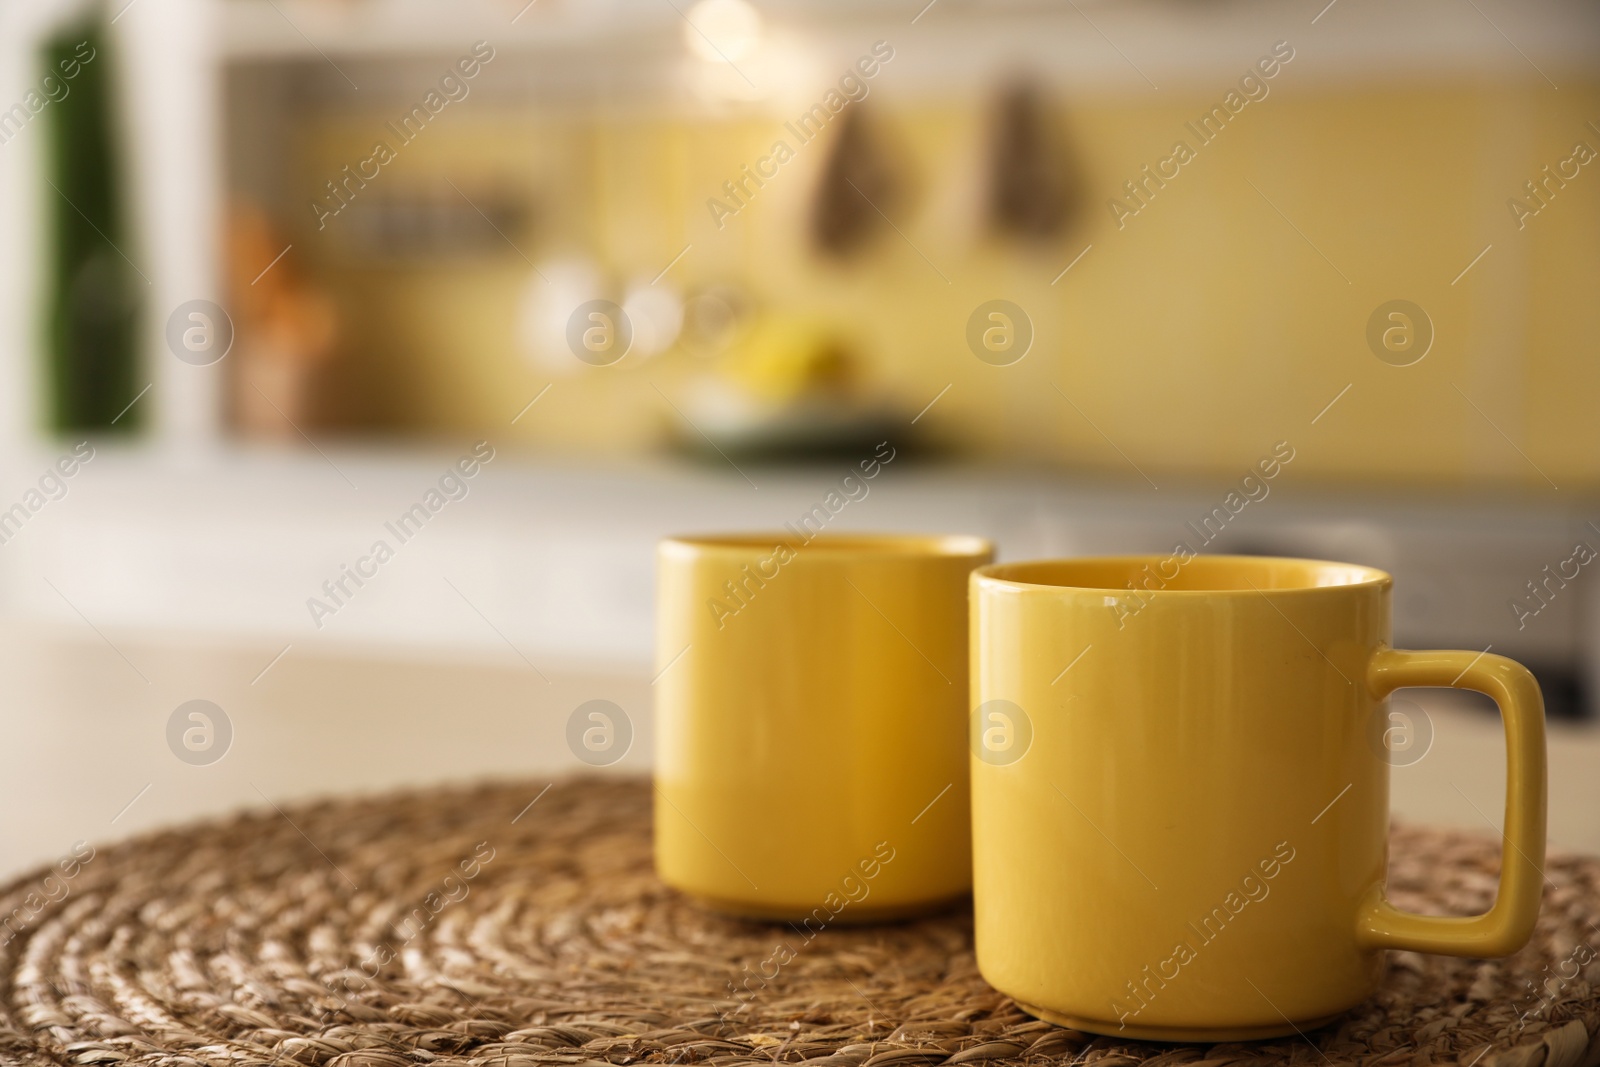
column 811, row 723
column 1193, row 844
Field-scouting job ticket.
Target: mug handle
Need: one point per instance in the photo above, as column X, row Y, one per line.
column 1508, row 925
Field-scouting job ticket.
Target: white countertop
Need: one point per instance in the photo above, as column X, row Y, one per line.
column 557, row 556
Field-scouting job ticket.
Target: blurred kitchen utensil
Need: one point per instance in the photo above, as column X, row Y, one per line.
column 1032, row 179
column 857, row 186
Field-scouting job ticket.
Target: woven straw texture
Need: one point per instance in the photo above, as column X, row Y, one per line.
column 463, row 926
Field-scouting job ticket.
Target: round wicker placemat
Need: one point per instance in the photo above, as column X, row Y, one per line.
column 467, row 927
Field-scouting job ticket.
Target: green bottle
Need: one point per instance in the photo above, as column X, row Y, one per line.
column 94, row 292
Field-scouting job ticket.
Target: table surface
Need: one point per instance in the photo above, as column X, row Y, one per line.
column 86, row 714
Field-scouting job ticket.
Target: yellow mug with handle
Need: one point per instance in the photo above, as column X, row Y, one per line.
column 1180, row 792
column 811, row 752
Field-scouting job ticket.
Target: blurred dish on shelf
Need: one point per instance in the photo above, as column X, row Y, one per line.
column 787, row 388
column 717, row 419
column 655, row 312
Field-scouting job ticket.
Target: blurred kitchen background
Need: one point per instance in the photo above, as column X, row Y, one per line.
column 269, row 268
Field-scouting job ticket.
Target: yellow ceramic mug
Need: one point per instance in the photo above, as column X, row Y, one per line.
column 1180, row 792
column 811, row 752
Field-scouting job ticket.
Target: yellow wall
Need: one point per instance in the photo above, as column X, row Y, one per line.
column 1194, row 337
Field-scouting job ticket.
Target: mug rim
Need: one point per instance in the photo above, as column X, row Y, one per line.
column 999, row 575
column 841, row 545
